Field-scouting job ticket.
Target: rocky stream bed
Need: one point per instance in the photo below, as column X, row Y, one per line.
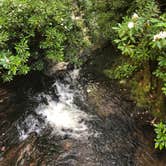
column 102, row 130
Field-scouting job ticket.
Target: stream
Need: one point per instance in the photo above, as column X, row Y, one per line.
column 65, row 124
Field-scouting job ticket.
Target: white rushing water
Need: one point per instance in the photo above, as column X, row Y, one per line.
column 64, row 116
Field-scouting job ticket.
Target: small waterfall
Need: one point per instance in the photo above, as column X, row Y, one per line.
column 62, row 115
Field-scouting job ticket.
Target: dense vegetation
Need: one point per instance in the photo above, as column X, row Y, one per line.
column 32, row 33
column 142, row 39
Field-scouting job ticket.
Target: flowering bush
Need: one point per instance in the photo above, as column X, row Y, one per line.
column 142, row 39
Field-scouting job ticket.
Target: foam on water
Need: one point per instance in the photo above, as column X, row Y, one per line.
column 64, row 116
column 29, row 125
column 64, row 119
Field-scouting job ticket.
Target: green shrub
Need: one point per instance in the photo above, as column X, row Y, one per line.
column 32, row 31
column 160, row 140
column 142, row 39
column 123, row 71
column 101, row 15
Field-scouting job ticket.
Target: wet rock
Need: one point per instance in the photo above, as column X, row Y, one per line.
column 128, row 124
column 55, row 68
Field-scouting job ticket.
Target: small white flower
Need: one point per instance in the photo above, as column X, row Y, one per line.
column 77, row 18
column 161, row 35
column 155, row 37
column 135, row 16
column 73, row 17
column 130, row 25
column 7, row 60
column 88, row 90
